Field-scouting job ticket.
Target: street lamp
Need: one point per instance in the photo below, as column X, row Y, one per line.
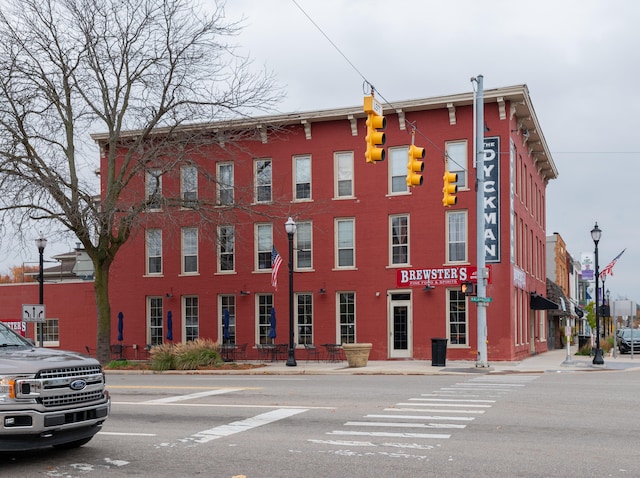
column 41, row 243
column 290, row 227
column 598, row 359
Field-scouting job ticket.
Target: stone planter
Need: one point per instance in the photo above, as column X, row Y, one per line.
column 357, row 354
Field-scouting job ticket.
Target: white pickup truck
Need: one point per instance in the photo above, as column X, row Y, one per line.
column 48, row 397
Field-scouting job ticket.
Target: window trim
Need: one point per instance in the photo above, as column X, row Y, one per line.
column 256, row 184
column 466, row 345
column 392, row 245
column 462, row 170
column 183, row 255
column 219, row 252
column 448, row 242
column 149, row 256
column 337, row 249
column 348, row 155
column 295, row 178
column 221, row 186
column 393, row 161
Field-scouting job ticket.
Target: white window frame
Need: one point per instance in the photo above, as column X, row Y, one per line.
column 153, row 189
column 460, row 215
column 341, row 314
column 458, row 161
column 398, row 159
column 187, row 316
column 343, row 172
column 299, row 173
column 189, row 185
column 302, row 228
column 231, row 243
column 393, row 246
column 225, row 193
column 189, row 248
column 339, row 240
column 466, row 318
column 153, row 250
column 158, row 328
column 263, row 245
column 263, row 180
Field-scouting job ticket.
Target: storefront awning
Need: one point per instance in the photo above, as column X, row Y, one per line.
column 538, row 302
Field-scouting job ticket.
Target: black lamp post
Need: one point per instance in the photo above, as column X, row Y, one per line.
column 290, row 227
column 598, row 358
column 41, row 243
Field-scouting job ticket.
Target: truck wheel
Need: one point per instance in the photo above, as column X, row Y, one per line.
column 73, row 444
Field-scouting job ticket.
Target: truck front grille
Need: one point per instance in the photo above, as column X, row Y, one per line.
column 57, row 388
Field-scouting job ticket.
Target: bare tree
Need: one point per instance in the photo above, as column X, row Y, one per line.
column 136, row 72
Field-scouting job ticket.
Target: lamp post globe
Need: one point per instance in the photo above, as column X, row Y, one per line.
column 598, row 358
column 290, row 228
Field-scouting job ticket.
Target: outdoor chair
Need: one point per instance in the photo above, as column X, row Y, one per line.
column 312, row 352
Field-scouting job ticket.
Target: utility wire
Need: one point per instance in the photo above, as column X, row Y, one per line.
column 388, row 103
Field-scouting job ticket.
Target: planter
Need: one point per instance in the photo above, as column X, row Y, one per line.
column 357, row 354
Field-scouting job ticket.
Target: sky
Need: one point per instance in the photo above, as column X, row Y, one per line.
column 579, row 60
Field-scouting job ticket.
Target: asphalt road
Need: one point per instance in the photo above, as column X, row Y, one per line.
column 552, row 424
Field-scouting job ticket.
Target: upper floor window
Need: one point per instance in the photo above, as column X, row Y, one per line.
column 303, row 246
column 263, row 178
column 189, row 250
column 226, row 248
column 225, row 184
column 456, row 236
column 399, row 228
column 345, row 243
column 154, row 188
column 189, row 185
column 302, row 174
column 398, row 158
column 264, row 245
column 154, row 251
column 457, row 161
column 343, row 174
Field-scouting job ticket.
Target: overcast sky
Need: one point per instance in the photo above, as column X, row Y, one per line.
column 580, row 60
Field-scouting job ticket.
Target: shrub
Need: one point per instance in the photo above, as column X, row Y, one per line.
column 187, row 356
column 117, row 364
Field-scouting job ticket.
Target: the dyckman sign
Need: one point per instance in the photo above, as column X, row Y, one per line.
column 451, row 276
column 492, row 199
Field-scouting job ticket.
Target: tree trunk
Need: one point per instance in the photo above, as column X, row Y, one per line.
column 101, row 288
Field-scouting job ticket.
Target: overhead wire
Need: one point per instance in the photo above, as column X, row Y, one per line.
column 366, row 81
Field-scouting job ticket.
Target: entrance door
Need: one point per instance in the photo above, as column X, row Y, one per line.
column 400, row 325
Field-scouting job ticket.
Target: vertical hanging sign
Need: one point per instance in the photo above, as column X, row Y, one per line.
column 492, row 199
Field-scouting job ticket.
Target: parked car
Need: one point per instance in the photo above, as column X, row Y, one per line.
column 627, row 338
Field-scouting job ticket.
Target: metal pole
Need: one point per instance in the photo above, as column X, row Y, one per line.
column 480, row 244
column 291, row 360
column 41, row 279
column 597, row 358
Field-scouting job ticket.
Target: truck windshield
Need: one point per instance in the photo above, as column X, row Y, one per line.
column 9, row 338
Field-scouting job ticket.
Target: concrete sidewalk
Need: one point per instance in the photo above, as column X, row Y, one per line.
column 552, row 361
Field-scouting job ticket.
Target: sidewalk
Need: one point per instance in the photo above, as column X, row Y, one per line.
column 552, row 361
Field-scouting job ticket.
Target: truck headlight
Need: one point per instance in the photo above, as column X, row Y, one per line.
column 12, row 387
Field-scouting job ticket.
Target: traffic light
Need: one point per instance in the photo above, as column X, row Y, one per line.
column 467, row 288
column 375, row 121
column 415, row 166
column 449, row 189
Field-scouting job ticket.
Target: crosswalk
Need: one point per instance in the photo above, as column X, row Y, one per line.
column 421, row 423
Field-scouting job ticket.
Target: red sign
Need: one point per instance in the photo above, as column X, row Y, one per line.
column 447, row 276
column 16, row 325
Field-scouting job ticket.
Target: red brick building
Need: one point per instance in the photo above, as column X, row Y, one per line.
column 374, row 260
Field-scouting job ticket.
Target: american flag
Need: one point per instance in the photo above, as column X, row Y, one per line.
column 609, row 268
column 276, row 262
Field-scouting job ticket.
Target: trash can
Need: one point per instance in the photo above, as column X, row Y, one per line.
column 583, row 341
column 438, row 352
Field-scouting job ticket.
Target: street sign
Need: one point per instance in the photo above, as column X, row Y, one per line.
column 33, row 313
column 481, row 299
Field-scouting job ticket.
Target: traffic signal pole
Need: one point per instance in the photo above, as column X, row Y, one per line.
column 480, row 244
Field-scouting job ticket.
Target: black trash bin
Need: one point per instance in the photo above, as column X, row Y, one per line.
column 583, row 341
column 438, row 352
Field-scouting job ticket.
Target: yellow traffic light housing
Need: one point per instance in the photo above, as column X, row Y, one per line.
column 449, row 189
column 375, row 138
column 415, row 166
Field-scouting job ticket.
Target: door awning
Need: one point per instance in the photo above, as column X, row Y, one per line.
column 538, row 302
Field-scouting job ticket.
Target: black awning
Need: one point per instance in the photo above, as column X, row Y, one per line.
column 542, row 303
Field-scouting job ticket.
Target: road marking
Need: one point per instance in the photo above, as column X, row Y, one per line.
column 472, row 412
column 243, row 425
column 401, row 424
column 222, row 405
column 122, row 434
column 453, row 400
column 471, row 405
column 171, row 387
column 422, row 417
column 387, row 434
column 191, row 396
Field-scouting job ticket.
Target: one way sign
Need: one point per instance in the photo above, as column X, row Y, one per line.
column 33, row 313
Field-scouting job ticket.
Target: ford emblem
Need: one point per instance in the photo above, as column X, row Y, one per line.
column 78, row 385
